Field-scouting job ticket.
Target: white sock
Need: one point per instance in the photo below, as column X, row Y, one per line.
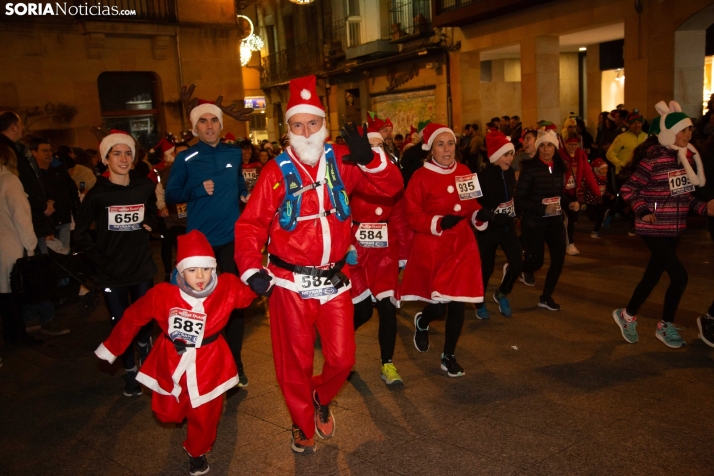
column 627, row 317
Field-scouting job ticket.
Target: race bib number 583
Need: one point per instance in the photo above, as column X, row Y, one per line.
column 187, row 326
column 126, row 218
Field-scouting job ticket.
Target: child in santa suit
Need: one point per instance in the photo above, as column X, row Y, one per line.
column 191, row 366
column 597, row 205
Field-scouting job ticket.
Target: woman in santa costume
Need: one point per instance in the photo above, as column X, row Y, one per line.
column 375, row 275
column 122, row 206
column 299, row 207
column 498, row 182
column 440, row 205
column 191, row 366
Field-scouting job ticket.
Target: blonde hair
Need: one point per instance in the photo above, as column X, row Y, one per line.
column 8, row 159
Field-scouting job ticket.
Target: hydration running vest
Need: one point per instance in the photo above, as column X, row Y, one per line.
column 289, row 210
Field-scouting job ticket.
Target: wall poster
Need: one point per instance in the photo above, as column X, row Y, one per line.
column 406, row 109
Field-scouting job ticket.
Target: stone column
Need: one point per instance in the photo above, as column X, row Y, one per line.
column 594, row 88
column 466, row 89
column 540, row 80
column 638, row 66
column 689, row 52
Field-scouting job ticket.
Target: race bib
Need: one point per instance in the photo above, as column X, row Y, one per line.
column 126, row 218
column 552, row 207
column 181, row 210
column 250, row 174
column 570, row 184
column 506, row 208
column 313, row 286
column 679, row 183
column 468, row 187
column 372, row 235
column 187, row 326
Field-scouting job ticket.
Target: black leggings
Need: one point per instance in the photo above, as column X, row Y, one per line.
column 387, row 324
column 664, row 258
column 236, row 325
column 118, row 301
column 534, row 239
column 168, row 243
column 488, row 243
column 572, row 220
column 454, row 322
column 596, row 214
column 13, row 326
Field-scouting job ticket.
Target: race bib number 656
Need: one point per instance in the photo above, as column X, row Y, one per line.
column 126, row 218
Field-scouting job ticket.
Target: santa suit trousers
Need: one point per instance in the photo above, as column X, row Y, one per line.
column 202, row 421
column 292, row 330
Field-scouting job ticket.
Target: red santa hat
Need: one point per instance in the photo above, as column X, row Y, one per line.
column 374, row 122
column 304, row 98
column 431, row 131
column 116, row 137
column 600, row 168
column 229, row 138
column 163, row 147
column 194, row 251
column 204, row 107
column 498, row 144
column 388, row 123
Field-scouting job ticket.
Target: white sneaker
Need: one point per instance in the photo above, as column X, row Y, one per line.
column 572, row 250
column 596, row 235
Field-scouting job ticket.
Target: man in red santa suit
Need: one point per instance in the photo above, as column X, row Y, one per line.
column 299, row 207
column 443, row 267
column 375, row 276
column 190, row 367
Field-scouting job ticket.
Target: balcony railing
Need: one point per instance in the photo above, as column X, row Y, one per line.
column 410, row 19
column 341, row 35
column 149, row 11
column 444, row 6
column 293, row 62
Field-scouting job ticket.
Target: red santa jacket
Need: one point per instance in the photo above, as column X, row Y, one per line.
column 210, row 369
column 443, row 264
column 377, row 270
column 583, row 172
column 314, row 242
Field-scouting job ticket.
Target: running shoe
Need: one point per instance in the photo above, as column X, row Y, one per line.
column 628, row 329
column 300, row 443
column 453, row 369
column 503, row 305
column 549, row 304
column 242, row 378
column 198, row 465
column 596, row 235
column 482, row 312
column 527, row 278
column 572, row 250
column 706, row 329
column 606, row 221
column 632, row 232
column 131, row 386
column 389, row 374
column 667, row 333
column 421, row 336
column 324, row 420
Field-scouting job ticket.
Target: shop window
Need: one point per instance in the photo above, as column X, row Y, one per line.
column 129, row 102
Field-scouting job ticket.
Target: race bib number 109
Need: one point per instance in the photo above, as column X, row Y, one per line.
column 679, row 183
column 126, row 218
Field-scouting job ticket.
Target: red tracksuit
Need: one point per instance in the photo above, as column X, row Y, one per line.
column 190, row 385
column 318, row 241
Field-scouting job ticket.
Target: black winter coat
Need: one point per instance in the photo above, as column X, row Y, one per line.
column 536, row 182
column 57, row 181
column 498, row 187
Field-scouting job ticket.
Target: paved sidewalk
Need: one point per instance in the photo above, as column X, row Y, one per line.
column 545, row 393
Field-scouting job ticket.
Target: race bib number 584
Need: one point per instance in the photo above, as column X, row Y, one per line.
column 126, row 218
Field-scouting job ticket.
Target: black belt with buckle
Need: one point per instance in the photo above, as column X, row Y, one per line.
column 333, row 274
column 182, row 346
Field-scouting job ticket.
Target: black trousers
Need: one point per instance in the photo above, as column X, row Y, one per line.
column 488, row 243
column 13, row 326
column 534, row 237
column 664, row 258
column 168, row 243
column 236, row 325
column 118, row 300
column 454, row 321
column 387, row 324
column 572, row 220
column 596, row 214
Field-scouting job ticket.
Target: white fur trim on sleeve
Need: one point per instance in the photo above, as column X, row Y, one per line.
column 103, row 353
column 475, row 222
column 434, row 222
column 382, row 162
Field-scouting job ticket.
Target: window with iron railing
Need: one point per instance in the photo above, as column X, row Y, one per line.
column 409, row 19
column 343, row 34
column 354, row 37
column 443, row 6
column 299, row 60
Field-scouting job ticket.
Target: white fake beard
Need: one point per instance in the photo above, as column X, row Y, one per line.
column 309, row 150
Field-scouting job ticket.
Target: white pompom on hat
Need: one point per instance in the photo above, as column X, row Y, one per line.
column 114, row 138
column 194, row 251
column 431, row 131
column 204, row 107
column 671, row 121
